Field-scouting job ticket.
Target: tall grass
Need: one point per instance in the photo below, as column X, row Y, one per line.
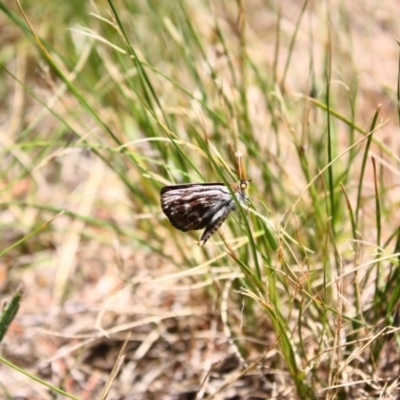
column 106, row 111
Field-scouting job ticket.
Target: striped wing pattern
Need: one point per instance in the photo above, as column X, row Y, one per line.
column 200, row 206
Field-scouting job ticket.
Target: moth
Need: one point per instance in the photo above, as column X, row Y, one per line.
column 205, row 206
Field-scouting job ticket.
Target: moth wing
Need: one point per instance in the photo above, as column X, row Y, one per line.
column 192, row 207
column 216, row 221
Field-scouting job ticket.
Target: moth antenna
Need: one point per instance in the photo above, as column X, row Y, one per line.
column 238, row 155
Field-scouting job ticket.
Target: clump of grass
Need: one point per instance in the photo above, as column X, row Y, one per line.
column 301, row 288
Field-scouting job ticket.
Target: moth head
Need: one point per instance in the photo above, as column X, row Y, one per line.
column 244, row 184
column 241, row 190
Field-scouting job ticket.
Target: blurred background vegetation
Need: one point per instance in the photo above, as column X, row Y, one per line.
column 104, row 103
